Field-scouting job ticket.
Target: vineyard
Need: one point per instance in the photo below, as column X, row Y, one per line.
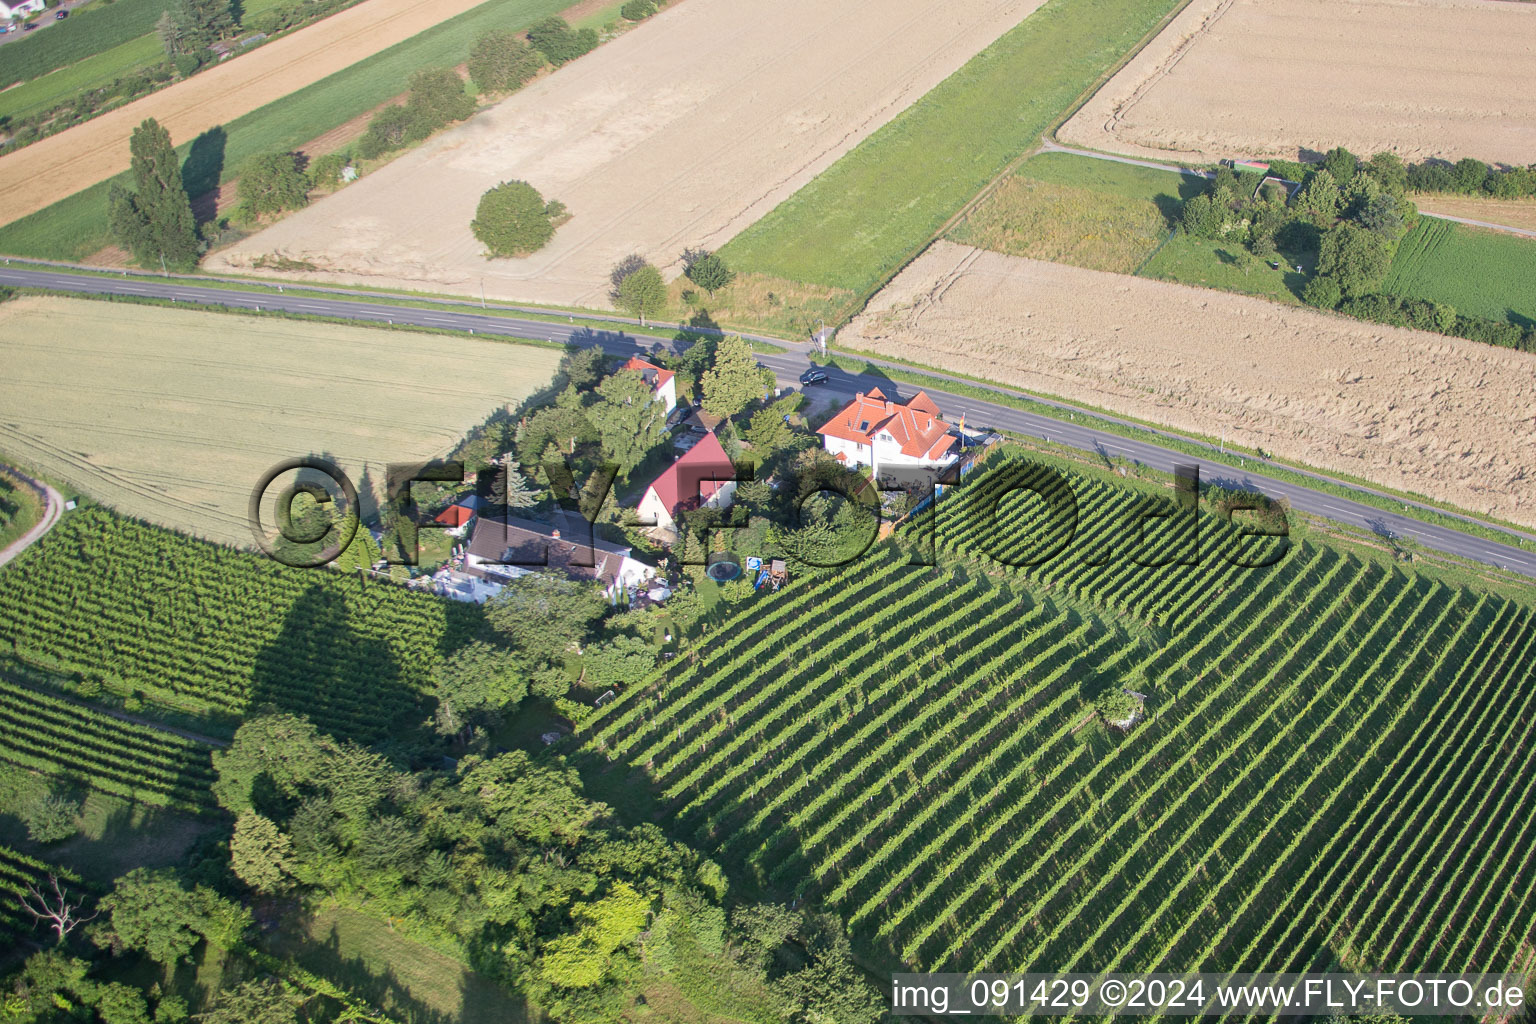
column 146, row 613
column 68, row 739
column 1333, row 767
column 17, row 871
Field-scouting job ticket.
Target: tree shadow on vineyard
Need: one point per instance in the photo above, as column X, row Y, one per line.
column 349, row 685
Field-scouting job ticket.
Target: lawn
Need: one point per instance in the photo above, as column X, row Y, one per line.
column 1214, row 264
column 20, row 507
column 1089, row 213
column 1482, row 273
column 76, row 227
column 859, row 221
column 407, row 980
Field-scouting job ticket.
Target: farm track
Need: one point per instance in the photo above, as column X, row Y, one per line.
column 53, row 510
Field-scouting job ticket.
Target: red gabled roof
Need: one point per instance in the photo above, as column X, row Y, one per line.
column 915, row 424
column 454, row 516
column 648, row 369
column 699, row 474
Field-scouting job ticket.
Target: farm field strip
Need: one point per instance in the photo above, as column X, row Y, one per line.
column 1480, row 273
column 1311, row 86
column 1273, row 697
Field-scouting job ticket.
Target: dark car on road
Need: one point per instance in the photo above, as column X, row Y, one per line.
column 61, row 16
column 813, row 376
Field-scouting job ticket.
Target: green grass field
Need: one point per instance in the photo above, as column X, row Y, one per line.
column 1214, row 264
column 859, row 221
column 90, row 30
column 93, row 72
column 1481, row 273
column 76, row 227
column 1089, row 213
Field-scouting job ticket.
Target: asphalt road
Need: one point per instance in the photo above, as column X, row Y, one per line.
column 788, row 367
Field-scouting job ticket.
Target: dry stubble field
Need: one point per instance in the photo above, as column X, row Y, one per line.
column 1451, row 419
column 1273, row 78
column 173, row 415
column 54, row 168
column 679, row 133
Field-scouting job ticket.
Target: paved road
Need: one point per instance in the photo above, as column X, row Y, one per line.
column 789, row 365
column 53, row 510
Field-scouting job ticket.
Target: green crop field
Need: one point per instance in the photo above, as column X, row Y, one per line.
column 1481, row 273
column 92, row 29
column 214, row 631
column 97, row 70
column 76, row 227
column 45, row 732
column 1089, row 213
column 854, row 225
column 1332, row 763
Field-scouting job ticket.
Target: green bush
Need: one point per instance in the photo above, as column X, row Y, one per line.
column 637, row 10
column 501, row 62
column 52, row 819
column 1323, row 292
column 272, row 183
column 437, row 98
column 325, row 171
column 513, row 220
column 556, row 40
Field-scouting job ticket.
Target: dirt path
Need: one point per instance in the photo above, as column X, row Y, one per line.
column 53, row 511
column 61, row 165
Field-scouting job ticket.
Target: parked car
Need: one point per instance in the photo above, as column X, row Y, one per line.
column 61, row 15
column 814, row 375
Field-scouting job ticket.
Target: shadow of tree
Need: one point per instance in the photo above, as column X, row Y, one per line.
column 349, row 685
column 201, row 171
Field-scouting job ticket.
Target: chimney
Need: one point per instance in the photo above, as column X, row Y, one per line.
column 555, row 533
column 890, row 407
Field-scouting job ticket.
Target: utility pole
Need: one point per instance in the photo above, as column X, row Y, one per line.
column 482, row 293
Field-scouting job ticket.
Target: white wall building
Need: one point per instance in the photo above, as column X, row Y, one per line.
column 875, row 431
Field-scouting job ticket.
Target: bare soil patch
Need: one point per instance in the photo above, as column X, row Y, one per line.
column 1287, row 78
column 1443, row 417
column 680, row 132
column 172, row 415
column 61, row 165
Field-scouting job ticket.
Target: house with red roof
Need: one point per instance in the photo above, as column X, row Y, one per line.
column 663, row 382
column 879, row 432
column 703, row 477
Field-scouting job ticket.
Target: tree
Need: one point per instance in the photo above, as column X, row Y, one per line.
column 556, row 40
column 545, row 614
column 622, row 269
column 1469, row 175
column 1115, row 705
column 54, row 907
column 501, row 62
column 154, row 222
column 437, row 97
column 260, row 854
column 616, row 662
column 628, row 419
column 768, row 431
column 735, row 381
column 479, row 680
column 1320, row 197
column 1247, row 262
column 172, row 34
column 510, row 489
column 1358, row 259
column 1382, row 216
column 151, row 912
column 257, row 1001
column 1202, row 218
column 1388, row 170
column 1341, row 163
column 271, row 183
column 541, row 802
column 52, row 819
column 643, row 293
column 707, row 270
column 1323, row 292
column 761, row 930
column 830, row 989
column 389, row 129
column 637, row 10
column 583, row 959
column 513, row 220
column 279, row 753
column 203, row 22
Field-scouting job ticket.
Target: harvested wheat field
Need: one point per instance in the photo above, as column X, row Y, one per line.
column 173, row 415
column 1278, row 78
column 678, row 133
column 1443, row 417
column 51, row 169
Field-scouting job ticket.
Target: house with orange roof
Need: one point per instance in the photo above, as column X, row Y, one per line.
column 663, row 382
column 880, row 432
column 704, row 477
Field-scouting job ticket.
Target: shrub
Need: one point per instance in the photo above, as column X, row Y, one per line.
column 560, row 43
column 1342, row 164
column 52, row 819
column 502, row 62
column 513, row 220
column 271, row 183
column 1323, row 292
column 637, row 10
column 325, row 171
column 438, row 98
column 389, row 129
column 709, row 272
